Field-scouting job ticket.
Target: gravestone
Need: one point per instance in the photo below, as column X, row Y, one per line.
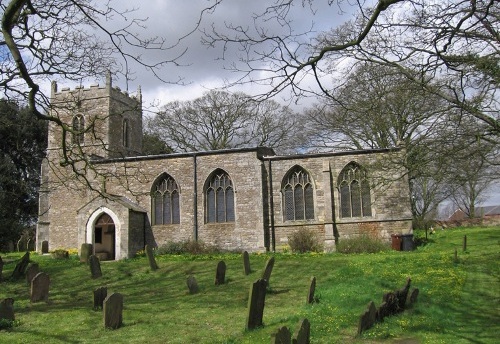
column 192, row 285
column 7, row 309
column 246, row 263
column 412, row 297
column 1, row 268
column 282, row 336
column 256, row 302
column 112, row 311
column 312, row 289
column 95, row 266
column 151, row 258
column 21, row 266
column 40, row 287
column 402, row 295
column 32, row 270
column 368, row 318
column 220, row 273
column 302, row 333
column 85, row 252
column 45, row 247
column 266, row 275
column 100, row 295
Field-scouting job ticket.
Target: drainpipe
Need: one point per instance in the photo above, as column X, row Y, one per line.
column 195, row 199
column 271, row 207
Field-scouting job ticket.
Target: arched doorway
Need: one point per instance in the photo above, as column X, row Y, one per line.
column 104, row 237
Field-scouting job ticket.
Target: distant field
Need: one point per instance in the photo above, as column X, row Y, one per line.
column 459, row 301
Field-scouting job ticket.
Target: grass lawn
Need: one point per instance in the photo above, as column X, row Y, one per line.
column 459, row 301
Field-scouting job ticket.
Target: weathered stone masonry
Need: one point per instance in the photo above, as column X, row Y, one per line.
column 72, row 214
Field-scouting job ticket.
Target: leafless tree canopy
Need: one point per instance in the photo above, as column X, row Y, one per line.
column 452, row 45
column 221, row 120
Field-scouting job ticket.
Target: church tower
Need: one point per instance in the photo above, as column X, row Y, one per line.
column 101, row 122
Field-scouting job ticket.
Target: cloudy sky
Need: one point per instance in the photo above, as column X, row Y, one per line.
column 201, row 68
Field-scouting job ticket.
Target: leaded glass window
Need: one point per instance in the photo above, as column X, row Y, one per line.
column 165, row 201
column 219, row 198
column 298, row 195
column 354, row 191
column 78, row 127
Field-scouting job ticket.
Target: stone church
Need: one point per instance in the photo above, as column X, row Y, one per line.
column 238, row 199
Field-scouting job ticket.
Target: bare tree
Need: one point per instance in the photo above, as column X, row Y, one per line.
column 221, row 120
column 452, row 45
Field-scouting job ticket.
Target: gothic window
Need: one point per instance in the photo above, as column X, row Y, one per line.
column 354, row 190
column 165, row 201
column 125, row 133
column 78, row 127
column 298, row 195
column 219, row 198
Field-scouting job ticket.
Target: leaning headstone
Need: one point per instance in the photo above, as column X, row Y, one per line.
column 192, row 285
column 151, row 258
column 302, row 333
column 85, row 252
column 40, row 287
column 282, row 336
column 402, row 295
column 1, row 268
column 45, row 246
column 21, row 266
column 95, row 266
column 220, row 273
column 32, row 270
column 412, row 297
column 312, row 289
column 256, row 301
column 246, row 263
column 100, row 295
column 266, row 275
column 7, row 309
column 112, row 311
column 368, row 318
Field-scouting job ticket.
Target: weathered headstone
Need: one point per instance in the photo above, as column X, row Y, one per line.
column 95, row 266
column 45, row 247
column 282, row 336
column 220, row 273
column 312, row 289
column 85, row 252
column 32, row 270
column 266, row 275
column 192, row 285
column 7, row 309
column 21, row 266
column 256, row 301
column 368, row 318
column 151, row 258
column 246, row 263
column 112, row 311
column 402, row 295
column 1, row 268
column 302, row 333
column 100, row 295
column 412, row 297
column 40, row 287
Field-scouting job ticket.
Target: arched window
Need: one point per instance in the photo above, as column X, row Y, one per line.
column 298, row 195
column 165, row 201
column 78, row 127
column 354, row 190
column 219, row 198
column 125, row 133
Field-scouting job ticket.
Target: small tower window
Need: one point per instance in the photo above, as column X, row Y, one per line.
column 78, row 127
column 126, row 139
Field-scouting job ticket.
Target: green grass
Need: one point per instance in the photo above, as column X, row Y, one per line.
column 458, row 301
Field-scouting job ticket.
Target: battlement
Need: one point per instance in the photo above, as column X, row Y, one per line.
column 95, row 90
